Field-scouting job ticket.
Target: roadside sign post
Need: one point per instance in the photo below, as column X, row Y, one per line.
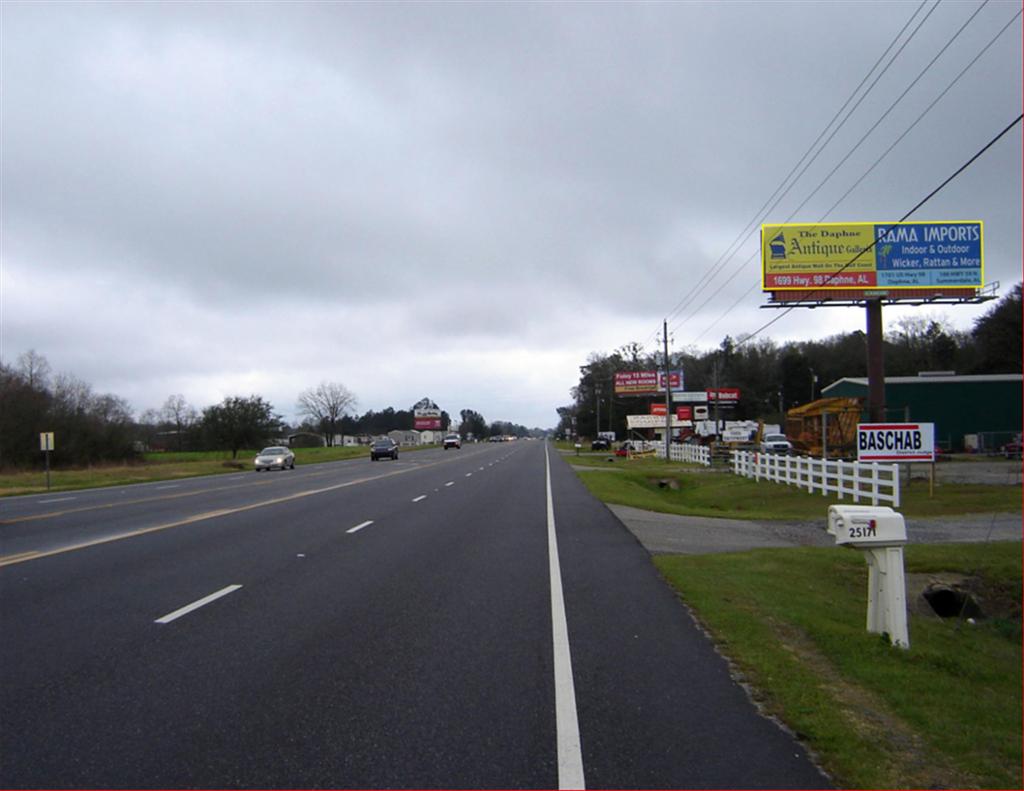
column 46, row 445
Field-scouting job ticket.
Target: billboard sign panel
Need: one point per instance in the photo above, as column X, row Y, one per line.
column 896, row 442
column 645, row 382
column 426, row 418
column 901, row 255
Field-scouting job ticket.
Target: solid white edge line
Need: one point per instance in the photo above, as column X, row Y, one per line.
column 567, row 726
column 197, row 604
column 357, row 528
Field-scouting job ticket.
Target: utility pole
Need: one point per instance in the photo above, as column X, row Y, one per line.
column 668, row 394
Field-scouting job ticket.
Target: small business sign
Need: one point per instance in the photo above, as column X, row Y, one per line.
column 651, row 421
column 896, row 442
column 46, row 441
column 684, row 412
column 659, row 409
column 690, row 396
column 724, row 395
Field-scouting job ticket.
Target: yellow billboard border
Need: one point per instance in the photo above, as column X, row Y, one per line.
column 980, row 223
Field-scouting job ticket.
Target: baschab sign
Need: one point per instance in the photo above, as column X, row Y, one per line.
column 896, row 442
column 798, row 257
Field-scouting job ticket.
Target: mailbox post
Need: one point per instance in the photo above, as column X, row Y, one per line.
column 880, row 533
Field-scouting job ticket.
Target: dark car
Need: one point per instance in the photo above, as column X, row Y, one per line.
column 601, row 443
column 384, row 448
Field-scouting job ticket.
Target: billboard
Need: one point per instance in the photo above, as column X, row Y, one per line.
column 426, row 418
column 645, row 382
column 904, row 255
column 895, row 442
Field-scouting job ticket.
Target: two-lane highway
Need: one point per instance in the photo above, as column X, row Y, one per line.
column 358, row 624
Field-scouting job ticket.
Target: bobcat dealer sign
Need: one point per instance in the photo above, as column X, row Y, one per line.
column 896, row 442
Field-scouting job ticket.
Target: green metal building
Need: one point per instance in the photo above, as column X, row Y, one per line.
column 982, row 411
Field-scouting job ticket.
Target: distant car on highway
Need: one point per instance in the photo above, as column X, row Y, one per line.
column 452, row 441
column 384, row 448
column 776, row 443
column 274, row 456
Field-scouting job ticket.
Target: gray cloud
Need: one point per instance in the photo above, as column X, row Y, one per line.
column 414, row 185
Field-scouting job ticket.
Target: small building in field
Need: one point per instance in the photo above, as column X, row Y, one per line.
column 979, row 412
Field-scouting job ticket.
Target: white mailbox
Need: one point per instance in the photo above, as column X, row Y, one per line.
column 866, row 525
column 880, row 533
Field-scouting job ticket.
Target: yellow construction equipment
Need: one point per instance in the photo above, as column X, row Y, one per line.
column 841, row 415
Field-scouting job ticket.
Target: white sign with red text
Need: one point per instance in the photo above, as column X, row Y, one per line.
column 896, row 442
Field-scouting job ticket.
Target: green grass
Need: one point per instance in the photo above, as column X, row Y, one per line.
column 699, row 492
column 160, row 467
column 945, row 713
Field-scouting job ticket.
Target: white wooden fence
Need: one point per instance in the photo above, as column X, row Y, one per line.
column 868, row 480
column 690, row 454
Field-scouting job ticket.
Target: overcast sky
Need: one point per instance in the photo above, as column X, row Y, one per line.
column 459, row 200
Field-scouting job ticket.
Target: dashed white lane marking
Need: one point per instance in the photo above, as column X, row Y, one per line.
column 172, row 486
column 357, row 528
column 567, row 726
column 197, row 604
column 469, row 475
column 421, row 497
column 56, row 500
column 450, row 483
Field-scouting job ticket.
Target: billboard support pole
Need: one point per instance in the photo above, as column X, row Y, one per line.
column 876, row 362
column 668, row 394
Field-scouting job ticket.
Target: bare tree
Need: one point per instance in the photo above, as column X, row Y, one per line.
column 34, row 368
column 325, row 405
column 179, row 413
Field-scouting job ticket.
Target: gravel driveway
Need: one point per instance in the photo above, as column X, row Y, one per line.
column 695, row 535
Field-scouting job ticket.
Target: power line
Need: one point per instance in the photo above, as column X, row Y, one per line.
column 866, row 173
column 765, row 208
column 922, row 202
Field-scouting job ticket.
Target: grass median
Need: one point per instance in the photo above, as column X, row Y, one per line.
column 944, row 714
column 160, row 467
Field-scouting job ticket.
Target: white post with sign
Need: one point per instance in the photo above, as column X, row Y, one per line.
column 46, row 445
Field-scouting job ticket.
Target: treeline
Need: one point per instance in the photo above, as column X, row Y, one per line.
column 773, row 378
column 92, row 428
column 87, row 425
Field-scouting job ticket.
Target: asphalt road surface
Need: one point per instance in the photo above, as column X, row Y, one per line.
column 469, row 618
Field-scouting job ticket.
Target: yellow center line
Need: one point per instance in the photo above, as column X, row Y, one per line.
column 10, row 560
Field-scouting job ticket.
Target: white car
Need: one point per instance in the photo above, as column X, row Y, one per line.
column 275, row 456
column 776, row 443
column 452, row 441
